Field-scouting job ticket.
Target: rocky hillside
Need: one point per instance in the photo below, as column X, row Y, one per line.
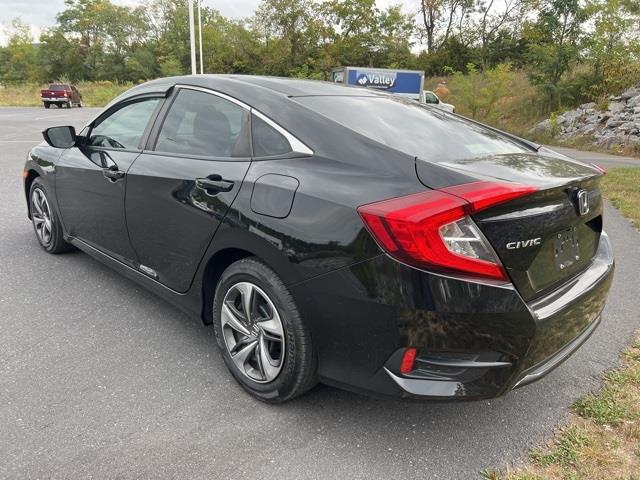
column 616, row 128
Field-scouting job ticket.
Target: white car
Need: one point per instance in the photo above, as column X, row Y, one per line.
column 432, row 99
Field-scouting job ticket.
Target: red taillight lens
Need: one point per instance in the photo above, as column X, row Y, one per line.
column 599, row 168
column 433, row 230
column 408, row 360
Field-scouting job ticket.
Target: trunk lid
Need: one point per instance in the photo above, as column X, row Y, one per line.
column 542, row 239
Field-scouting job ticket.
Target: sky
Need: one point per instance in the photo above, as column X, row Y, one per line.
column 41, row 14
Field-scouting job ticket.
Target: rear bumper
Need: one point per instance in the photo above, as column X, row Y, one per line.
column 60, row 99
column 538, row 371
column 474, row 341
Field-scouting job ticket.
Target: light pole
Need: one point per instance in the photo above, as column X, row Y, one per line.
column 200, row 37
column 192, row 38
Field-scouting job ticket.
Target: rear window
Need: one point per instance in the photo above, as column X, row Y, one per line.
column 59, row 88
column 413, row 128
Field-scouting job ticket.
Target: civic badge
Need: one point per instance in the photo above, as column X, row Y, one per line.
column 582, row 199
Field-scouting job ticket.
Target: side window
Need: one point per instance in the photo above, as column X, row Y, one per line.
column 124, row 128
column 267, row 141
column 431, row 98
column 202, row 124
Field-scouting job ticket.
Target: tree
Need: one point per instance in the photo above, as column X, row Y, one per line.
column 493, row 17
column 18, row 60
column 613, row 48
column 290, row 23
column 60, row 56
column 439, row 18
column 478, row 92
column 554, row 43
column 362, row 34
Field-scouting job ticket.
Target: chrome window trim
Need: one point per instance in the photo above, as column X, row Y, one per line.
column 215, row 93
column 295, row 144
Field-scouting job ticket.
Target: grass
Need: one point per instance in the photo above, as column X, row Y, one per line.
column 622, row 187
column 601, row 440
column 94, row 94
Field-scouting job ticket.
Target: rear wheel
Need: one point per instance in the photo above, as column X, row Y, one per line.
column 45, row 220
column 47, row 105
column 263, row 339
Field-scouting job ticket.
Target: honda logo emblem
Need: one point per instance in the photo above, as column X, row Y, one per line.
column 583, row 202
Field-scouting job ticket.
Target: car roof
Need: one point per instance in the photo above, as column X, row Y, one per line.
column 294, row 87
column 290, row 87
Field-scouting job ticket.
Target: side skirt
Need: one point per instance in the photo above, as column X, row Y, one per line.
column 189, row 302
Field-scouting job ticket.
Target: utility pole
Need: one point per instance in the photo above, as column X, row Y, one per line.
column 200, row 37
column 192, row 38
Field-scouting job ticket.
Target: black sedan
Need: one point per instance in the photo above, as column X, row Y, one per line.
column 334, row 234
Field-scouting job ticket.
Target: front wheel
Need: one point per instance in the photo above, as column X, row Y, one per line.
column 45, row 220
column 264, row 341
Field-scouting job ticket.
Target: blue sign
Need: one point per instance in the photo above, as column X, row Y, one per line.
column 392, row 82
column 382, row 80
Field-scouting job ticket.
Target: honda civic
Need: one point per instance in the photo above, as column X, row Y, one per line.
column 333, row 234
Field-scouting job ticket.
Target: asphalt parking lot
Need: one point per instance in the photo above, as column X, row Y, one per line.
column 101, row 379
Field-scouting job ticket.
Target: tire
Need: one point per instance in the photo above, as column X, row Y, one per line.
column 45, row 220
column 289, row 367
column 80, row 104
column 47, row 105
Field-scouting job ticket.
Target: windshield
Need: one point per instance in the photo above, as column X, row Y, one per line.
column 412, row 128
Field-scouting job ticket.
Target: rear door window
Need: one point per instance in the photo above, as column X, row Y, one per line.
column 203, row 124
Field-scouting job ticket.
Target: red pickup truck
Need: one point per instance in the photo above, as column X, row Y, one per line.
column 62, row 95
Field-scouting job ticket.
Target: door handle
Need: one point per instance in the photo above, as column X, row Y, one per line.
column 217, row 185
column 113, row 175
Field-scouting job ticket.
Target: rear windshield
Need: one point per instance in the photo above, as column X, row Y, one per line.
column 59, row 88
column 413, row 128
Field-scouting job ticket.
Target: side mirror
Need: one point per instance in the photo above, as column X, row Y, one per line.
column 60, row 137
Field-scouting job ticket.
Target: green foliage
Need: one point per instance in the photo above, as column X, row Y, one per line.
column 18, row 58
column 572, row 50
column 567, row 450
column 478, row 93
column 452, row 56
column 602, row 407
column 613, row 49
column 94, row 94
column 554, row 44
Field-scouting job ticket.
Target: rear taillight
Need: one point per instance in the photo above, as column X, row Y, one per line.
column 599, row 168
column 433, row 229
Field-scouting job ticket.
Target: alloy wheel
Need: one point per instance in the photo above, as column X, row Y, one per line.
column 41, row 214
column 253, row 332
